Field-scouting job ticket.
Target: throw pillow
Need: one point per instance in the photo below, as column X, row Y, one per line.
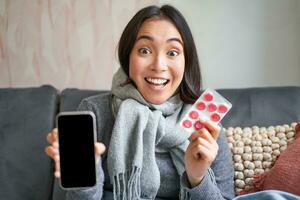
column 284, row 175
column 254, row 150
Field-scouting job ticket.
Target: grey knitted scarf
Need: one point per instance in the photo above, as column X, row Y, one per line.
column 140, row 130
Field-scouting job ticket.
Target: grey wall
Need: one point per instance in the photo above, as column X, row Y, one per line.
column 245, row 43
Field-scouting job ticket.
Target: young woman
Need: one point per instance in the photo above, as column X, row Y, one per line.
column 148, row 155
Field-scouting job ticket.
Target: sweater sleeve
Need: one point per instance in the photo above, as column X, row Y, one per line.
column 96, row 192
column 217, row 183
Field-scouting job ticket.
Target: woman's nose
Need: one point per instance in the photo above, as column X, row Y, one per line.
column 159, row 63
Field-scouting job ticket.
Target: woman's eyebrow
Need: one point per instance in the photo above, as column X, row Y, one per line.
column 147, row 37
column 176, row 40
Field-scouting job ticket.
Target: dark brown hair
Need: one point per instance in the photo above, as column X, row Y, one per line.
column 190, row 86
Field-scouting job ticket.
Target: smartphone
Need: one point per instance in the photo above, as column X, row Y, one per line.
column 76, row 138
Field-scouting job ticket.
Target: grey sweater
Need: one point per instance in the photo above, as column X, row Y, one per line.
column 218, row 186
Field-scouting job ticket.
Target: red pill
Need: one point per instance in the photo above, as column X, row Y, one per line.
column 211, row 107
column 208, row 97
column 194, row 114
column 222, row 109
column 200, row 106
column 198, row 125
column 187, row 123
column 215, row 117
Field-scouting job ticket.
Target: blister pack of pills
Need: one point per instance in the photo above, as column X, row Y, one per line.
column 209, row 106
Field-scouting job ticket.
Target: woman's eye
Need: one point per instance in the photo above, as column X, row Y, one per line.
column 144, row 51
column 172, row 53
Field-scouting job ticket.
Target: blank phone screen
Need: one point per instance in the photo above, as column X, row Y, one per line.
column 76, row 149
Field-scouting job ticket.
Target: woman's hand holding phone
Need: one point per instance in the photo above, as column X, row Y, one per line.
column 52, row 150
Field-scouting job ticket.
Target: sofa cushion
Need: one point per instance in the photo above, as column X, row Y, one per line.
column 284, row 175
column 26, row 116
column 265, row 106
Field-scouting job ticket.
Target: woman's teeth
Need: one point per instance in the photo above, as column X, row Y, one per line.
column 157, row 81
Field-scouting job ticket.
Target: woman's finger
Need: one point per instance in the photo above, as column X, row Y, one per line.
column 213, row 128
column 200, row 151
column 203, row 142
column 55, row 144
column 52, row 136
column 99, row 148
column 202, row 133
column 207, row 135
column 194, row 136
column 57, row 174
column 51, row 151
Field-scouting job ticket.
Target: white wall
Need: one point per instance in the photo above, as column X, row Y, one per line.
column 245, row 43
column 67, row 43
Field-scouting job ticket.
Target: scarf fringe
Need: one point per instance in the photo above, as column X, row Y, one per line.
column 127, row 189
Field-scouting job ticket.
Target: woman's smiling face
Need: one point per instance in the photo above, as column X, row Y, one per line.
column 157, row 61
